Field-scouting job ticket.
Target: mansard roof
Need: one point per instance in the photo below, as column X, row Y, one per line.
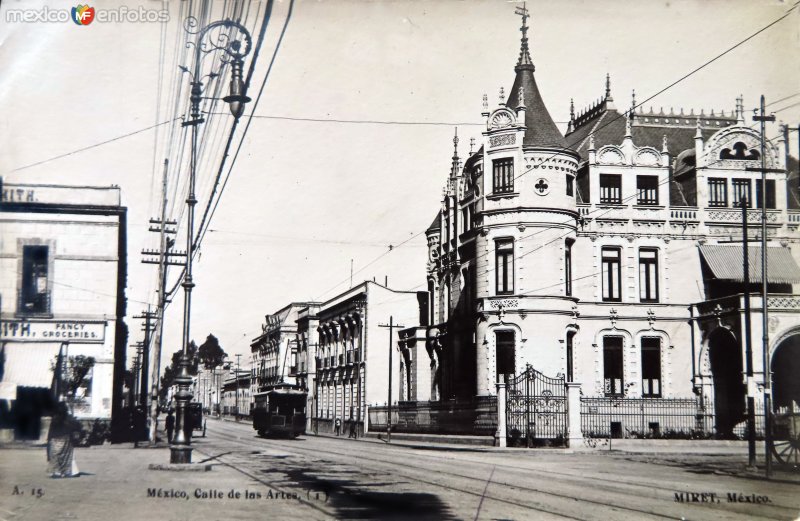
column 647, row 129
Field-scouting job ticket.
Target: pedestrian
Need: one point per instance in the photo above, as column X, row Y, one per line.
column 338, row 426
column 170, row 424
column 352, row 428
column 60, row 443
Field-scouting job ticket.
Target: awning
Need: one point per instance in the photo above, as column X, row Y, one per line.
column 725, row 263
column 29, row 364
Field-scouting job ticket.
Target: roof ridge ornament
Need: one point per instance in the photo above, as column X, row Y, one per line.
column 524, row 51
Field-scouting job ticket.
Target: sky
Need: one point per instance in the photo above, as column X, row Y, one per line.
column 305, row 199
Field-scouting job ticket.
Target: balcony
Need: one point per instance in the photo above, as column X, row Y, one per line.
column 735, row 304
column 679, row 219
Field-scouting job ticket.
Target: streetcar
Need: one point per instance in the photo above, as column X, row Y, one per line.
column 280, row 411
column 194, row 417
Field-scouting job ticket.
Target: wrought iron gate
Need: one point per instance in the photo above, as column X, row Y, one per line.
column 536, row 409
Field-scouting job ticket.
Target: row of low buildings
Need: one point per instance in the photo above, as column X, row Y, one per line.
column 609, row 259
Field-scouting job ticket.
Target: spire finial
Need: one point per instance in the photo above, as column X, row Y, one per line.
column 571, row 109
column 633, row 102
column 456, row 162
column 502, row 96
column 608, row 85
column 471, row 144
column 485, row 103
column 524, row 53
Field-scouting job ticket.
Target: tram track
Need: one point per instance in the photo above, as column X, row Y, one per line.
column 292, row 447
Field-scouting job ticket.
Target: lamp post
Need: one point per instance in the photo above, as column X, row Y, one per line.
column 235, row 45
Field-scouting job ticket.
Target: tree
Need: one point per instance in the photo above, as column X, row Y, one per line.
column 210, row 353
column 174, row 369
column 79, row 367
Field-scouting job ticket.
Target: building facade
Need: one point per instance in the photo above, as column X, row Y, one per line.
column 62, row 291
column 344, row 351
column 236, row 393
column 611, row 256
column 274, row 352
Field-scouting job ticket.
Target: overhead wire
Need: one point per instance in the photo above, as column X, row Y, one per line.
column 267, row 15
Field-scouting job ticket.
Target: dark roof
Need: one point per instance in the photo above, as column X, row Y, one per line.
column 608, row 128
column 436, row 224
column 541, row 129
column 473, row 158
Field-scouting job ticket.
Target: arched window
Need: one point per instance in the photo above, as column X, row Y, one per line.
column 739, row 152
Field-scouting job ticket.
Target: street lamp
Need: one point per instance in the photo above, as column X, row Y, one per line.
column 235, row 44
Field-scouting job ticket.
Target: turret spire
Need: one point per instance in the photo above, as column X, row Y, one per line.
column 456, row 160
column 608, row 85
column 524, row 52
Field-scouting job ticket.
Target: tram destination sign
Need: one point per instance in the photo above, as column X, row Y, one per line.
column 72, row 331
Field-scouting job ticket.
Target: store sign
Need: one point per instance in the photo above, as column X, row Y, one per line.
column 50, row 194
column 53, row 331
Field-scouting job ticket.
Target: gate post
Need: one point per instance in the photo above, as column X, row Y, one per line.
column 574, row 433
column 501, row 414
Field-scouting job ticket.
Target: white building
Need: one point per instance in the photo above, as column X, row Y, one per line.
column 611, row 257
column 62, row 290
column 343, row 351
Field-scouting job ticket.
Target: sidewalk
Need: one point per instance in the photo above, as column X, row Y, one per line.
column 116, row 484
column 713, row 457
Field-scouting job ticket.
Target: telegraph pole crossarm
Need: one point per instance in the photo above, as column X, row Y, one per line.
column 391, row 325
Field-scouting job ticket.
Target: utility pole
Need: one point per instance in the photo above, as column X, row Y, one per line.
column 148, row 328
column 164, row 228
column 762, row 118
column 391, row 325
column 751, row 407
column 236, row 409
column 134, row 393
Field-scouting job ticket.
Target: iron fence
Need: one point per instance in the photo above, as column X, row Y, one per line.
column 645, row 418
column 447, row 417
